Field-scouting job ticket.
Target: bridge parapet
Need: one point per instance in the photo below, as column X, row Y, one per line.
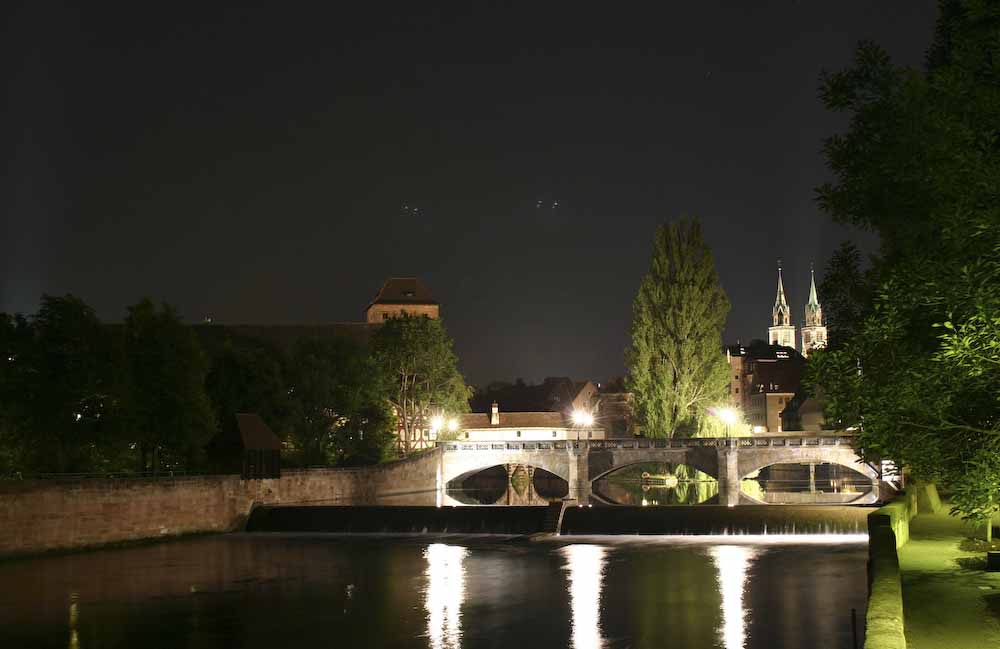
column 581, row 462
column 770, row 441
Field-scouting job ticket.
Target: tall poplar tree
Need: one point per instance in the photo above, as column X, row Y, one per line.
column 675, row 362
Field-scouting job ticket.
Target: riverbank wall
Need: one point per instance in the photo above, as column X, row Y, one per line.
column 889, row 530
column 39, row 516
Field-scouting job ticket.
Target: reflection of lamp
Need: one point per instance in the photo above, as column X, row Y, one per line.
column 586, row 572
column 444, row 594
column 732, row 562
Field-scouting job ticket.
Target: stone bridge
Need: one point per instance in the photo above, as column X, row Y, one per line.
column 581, row 463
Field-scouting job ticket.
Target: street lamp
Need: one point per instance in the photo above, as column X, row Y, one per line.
column 728, row 416
column 581, row 419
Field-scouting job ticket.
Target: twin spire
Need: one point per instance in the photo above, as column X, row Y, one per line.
column 782, row 331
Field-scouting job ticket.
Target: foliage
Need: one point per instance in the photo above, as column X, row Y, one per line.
column 415, row 353
column 248, row 376
column 165, row 408
column 676, row 369
column 846, row 293
column 57, row 387
column 338, row 408
column 919, row 165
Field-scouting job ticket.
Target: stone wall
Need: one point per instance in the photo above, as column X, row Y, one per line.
column 41, row 516
column 889, row 530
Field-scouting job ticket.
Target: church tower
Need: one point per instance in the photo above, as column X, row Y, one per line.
column 814, row 331
column 782, row 332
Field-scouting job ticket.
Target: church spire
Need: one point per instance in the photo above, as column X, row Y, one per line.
column 780, row 314
column 814, row 331
column 814, row 313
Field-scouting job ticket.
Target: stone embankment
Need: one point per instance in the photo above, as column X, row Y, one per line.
column 889, row 530
column 52, row 515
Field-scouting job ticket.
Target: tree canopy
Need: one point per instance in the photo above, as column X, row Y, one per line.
column 676, row 368
column 415, row 352
column 920, row 166
column 339, row 414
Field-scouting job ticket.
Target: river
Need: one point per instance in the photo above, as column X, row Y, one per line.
column 268, row 591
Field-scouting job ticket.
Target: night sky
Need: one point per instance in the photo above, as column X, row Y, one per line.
column 274, row 165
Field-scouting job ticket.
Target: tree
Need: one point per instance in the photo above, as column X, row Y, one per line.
column 416, row 355
column 846, row 293
column 58, row 386
column 165, row 406
column 15, row 352
column 920, row 165
column 675, row 362
column 248, row 376
column 339, row 411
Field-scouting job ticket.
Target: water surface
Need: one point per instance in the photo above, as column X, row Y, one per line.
column 267, row 591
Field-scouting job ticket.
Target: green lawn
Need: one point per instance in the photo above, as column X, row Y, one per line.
column 949, row 601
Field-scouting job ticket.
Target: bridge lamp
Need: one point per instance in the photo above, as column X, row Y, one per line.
column 582, row 418
column 728, row 416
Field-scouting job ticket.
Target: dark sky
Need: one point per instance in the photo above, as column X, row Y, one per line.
column 254, row 164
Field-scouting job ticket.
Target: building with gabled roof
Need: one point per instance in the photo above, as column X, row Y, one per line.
column 402, row 296
column 523, row 426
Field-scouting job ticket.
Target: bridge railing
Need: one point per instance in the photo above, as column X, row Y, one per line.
column 645, row 443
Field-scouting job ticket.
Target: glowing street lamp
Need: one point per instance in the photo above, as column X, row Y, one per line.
column 581, row 419
column 437, row 423
column 453, row 424
column 728, row 416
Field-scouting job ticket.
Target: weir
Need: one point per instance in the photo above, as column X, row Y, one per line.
column 560, row 518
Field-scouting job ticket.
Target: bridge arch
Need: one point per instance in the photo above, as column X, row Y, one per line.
column 676, row 460
column 750, row 461
column 463, row 465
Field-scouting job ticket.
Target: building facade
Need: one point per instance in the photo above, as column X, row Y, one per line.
column 400, row 296
column 764, row 379
column 523, row 426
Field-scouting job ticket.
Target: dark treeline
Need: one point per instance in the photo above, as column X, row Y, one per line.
column 151, row 394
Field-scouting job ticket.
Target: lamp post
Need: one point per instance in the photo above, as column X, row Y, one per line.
column 581, row 419
column 728, row 416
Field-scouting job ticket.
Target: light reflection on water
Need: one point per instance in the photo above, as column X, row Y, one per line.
column 585, row 565
column 444, row 594
column 259, row 592
column 733, row 563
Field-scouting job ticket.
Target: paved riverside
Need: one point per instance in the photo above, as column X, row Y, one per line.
column 946, row 605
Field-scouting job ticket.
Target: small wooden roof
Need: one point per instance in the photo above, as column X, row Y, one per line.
column 256, row 435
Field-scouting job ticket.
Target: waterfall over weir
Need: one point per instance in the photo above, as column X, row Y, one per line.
column 717, row 521
column 709, row 520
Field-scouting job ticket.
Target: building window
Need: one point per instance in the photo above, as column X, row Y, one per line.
column 737, row 390
column 553, row 433
column 466, row 434
column 518, row 433
column 736, row 377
